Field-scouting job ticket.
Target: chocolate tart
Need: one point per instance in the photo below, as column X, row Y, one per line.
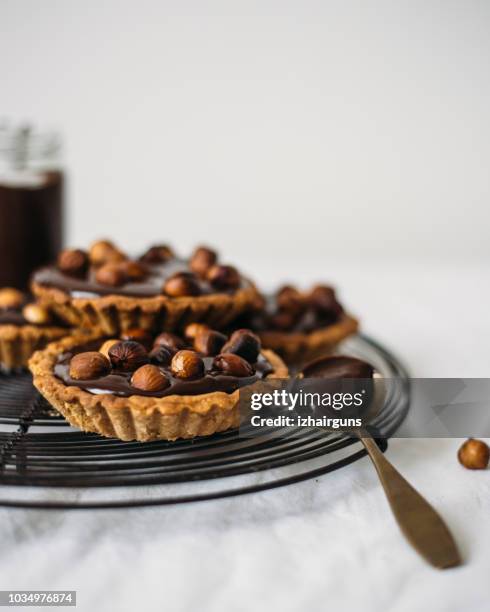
column 301, row 326
column 167, row 293
column 24, row 328
column 111, row 406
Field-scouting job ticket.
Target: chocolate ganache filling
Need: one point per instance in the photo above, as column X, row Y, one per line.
column 119, row 383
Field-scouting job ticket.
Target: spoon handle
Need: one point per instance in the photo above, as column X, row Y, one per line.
column 420, row 523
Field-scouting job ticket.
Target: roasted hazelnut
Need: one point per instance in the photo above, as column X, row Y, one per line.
column 110, row 274
column 104, row 251
column 159, row 253
column 35, row 314
column 474, row 454
column 11, row 298
column 104, row 349
column 134, row 270
column 283, row 321
column 181, row 284
column 322, row 299
column 161, row 355
column 209, row 342
column 73, row 262
column 290, row 300
column 244, row 343
column 128, row 355
column 232, row 365
column 88, row 366
column 201, row 260
column 223, row 277
column 138, row 335
column 149, row 378
column 170, row 341
column 187, row 365
column 193, row 329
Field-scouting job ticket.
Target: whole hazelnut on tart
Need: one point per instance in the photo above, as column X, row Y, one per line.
column 193, row 329
column 181, row 284
column 209, row 342
column 161, row 355
column 232, row 365
column 474, row 454
column 35, row 314
column 11, row 298
column 159, row 253
column 89, row 365
column 244, row 343
column 134, row 270
column 73, row 262
column 104, row 349
column 322, row 298
column 202, row 260
column 138, row 335
column 149, row 378
column 283, row 321
column 110, row 274
column 187, row 365
column 104, row 251
column 128, row 355
column 291, row 300
column 169, row 340
column 223, row 277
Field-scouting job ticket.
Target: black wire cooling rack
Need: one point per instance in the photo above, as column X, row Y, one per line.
column 44, row 463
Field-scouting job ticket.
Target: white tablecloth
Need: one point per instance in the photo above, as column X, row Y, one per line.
column 329, row 543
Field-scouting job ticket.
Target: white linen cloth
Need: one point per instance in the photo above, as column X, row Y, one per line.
column 325, row 544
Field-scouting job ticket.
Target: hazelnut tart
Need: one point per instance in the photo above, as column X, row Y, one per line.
column 176, row 388
column 103, row 287
column 24, row 328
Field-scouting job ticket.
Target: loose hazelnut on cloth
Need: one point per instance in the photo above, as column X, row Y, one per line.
column 232, row 365
column 11, row 298
column 474, row 454
column 128, row 356
column 73, row 262
column 187, row 364
column 35, row 314
column 89, row 365
column 149, row 378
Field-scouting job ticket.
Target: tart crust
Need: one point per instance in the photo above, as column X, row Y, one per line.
column 138, row 417
column 115, row 313
column 18, row 343
column 297, row 348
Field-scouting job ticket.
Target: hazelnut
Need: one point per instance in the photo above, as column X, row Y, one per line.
column 11, row 298
column 223, row 277
column 245, row 344
column 209, row 342
column 283, row 321
column 161, row 355
column 232, row 365
column 187, row 364
column 35, row 314
column 160, row 253
column 104, row 349
column 110, row 274
column 290, row 299
column 134, row 270
column 90, row 365
column 181, row 284
column 73, row 262
column 128, row 356
column 138, row 335
column 169, row 340
column 323, row 299
column 201, row 260
column 193, row 329
column 104, row 251
column 149, row 378
column 474, row 454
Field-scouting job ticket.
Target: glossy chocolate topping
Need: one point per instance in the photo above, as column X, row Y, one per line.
column 119, row 383
column 150, row 286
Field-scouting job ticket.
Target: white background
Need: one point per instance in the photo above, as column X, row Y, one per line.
column 308, row 140
column 311, row 129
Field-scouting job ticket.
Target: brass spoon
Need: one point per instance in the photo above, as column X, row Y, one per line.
column 423, row 527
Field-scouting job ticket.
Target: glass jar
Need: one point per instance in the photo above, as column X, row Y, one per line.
column 31, row 203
